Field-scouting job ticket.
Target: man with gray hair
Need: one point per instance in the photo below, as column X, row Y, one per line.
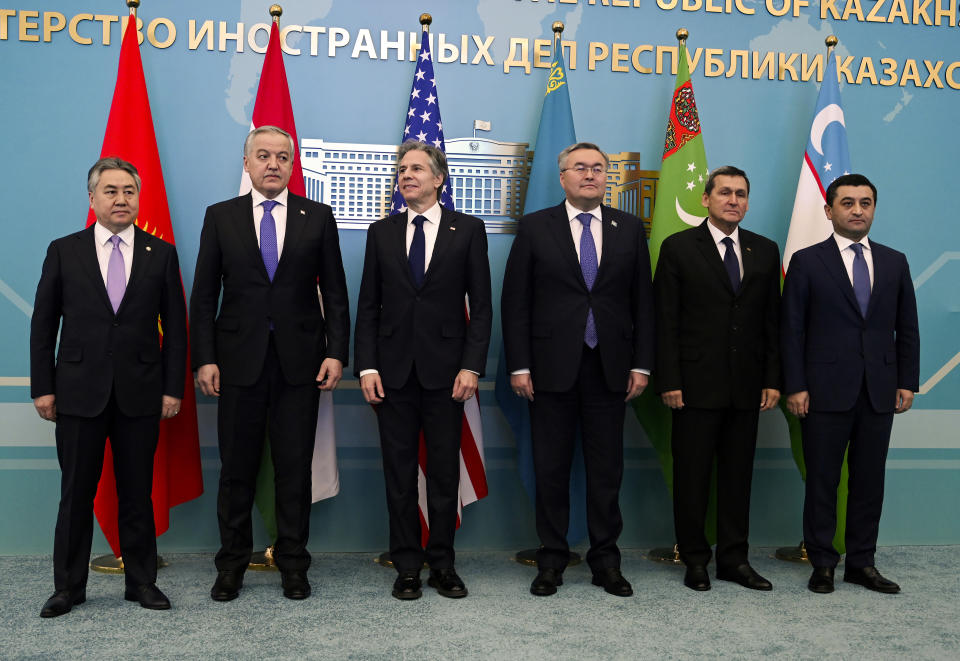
column 268, row 350
column 419, row 359
column 577, row 311
column 103, row 289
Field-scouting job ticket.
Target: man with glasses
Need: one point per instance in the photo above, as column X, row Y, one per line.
column 578, row 329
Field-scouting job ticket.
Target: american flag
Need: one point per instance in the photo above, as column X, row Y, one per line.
column 423, row 125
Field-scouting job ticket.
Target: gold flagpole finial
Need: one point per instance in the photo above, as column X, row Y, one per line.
column 276, row 11
column 831, row 41
column 557, row 27
column 425, row 20
column 133, row 4
column 682, row 35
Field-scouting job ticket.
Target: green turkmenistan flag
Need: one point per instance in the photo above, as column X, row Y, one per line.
column 678, row 206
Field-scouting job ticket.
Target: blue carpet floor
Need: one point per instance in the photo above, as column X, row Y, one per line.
column 351, row 614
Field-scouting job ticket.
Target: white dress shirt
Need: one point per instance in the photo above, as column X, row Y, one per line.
column 719, row 236
column 430, row 229
column 279, row 214
column 102, row 236
column 847, row 254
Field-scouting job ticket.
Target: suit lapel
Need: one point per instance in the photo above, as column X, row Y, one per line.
column 708, row 249
column 142, row 253
column 398, row 239
column 559, row 226
column 247, row 232
column 830, row 255
column 445, row 232
column 749, row 259
column 87, row 253
column 610, row 231
column 296, row 222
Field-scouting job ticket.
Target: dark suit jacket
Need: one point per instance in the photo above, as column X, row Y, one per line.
column 101, row 351
column 229, row 256
column 830, row 349
column 721, row 349
column 545, row 300
column 397, row 324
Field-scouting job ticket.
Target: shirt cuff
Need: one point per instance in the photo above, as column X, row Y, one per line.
column 523, row 371
column 640, row 370
column 363, row 373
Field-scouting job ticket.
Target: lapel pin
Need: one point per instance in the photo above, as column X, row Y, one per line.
column 613, row 222
column 453, row 229
column 302, row 212
column 149, row 248
column 749, row 249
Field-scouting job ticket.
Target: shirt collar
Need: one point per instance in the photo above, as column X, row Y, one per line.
column 843, row 242
column 719, row 236
column 101, row 234
column 259, row 197
column 573, row 212
column 432, row 214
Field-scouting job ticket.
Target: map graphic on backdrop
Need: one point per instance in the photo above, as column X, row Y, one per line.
column 489, row 180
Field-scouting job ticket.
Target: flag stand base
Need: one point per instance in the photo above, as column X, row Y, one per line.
column 665, row 554
column 110, row 564
column 792, row 553
column 263, row 561
column 384, row 561
column 529, row 557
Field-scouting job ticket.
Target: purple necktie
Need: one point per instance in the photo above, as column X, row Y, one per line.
column 861, row 278
column 268, row 238
column 731, row 264
column 116, row 274
column 588, row 264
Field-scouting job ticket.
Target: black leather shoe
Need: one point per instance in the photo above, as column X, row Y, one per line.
column 227, row 586
column 821, row 580
column 613, row 582
column 447, row 583
column 697, row 578
column 61, row 602
column 871, row 579
column 744, row 575
column 295, row 584
column 149, row 596
column 407, row 585
column 546, row 582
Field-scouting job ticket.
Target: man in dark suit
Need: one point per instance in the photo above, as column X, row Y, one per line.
column 104, row 288
column 419, row 360
column 578, row 326
column 851, row 359
column 717, row 290
column 269, row 351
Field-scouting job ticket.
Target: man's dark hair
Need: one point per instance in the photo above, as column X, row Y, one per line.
column 438, row 160
column 849, row 180
column 727, row 171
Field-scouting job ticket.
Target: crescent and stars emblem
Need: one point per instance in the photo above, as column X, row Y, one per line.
column 830, row 114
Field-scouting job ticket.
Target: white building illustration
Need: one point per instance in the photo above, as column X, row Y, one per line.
column 489, row 180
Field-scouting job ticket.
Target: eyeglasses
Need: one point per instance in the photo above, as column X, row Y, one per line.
column 581, row 170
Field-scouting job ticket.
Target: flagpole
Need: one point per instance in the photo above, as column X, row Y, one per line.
column 529, row 556
column 426, row 19
column 109, row 563
column 799, row 553
column 666, row 554
column 263, row 560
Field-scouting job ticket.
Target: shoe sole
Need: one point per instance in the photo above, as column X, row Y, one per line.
column 158, row 607
column 225, row 597
column 615, row 594
column 407, row 596
column 765, row 588
column 297, row 596
column 820, row 589
column 697, row 588
column 871, row 587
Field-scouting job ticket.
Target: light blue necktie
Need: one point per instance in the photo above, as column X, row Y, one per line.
column 588, row 264
column 861, row 278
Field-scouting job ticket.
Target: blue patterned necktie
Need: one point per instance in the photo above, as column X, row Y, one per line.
column 116, row 274
column 268, row 238
column 731, row 264
column 418, row 251
column 588, row 264
column 861, row 278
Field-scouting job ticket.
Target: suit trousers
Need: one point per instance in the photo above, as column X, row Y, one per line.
column 401, row 416
column 864, row 435
column 554, row 420
column 80, row 449
column 699, row 437
column 246, row 416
